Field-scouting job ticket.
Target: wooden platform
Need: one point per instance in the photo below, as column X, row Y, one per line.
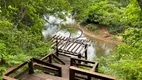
column 66, row 62
column 70, row 46
column 41, row 76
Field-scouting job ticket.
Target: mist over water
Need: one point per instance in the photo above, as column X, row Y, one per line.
column 95, row 50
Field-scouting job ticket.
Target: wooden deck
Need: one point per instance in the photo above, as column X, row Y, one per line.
column 63, row 64
column 43, row 76
column 69, row 46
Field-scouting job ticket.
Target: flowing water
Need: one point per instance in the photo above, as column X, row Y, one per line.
column 97, row 48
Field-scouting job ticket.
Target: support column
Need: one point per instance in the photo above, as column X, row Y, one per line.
column 57, row 51
column 86, row 51
column 31, row 67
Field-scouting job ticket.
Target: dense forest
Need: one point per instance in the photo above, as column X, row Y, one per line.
column 21, row 23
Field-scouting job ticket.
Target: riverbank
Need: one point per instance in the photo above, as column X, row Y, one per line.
column 103, row 35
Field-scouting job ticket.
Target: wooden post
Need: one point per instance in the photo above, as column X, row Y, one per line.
column 71, row 62
column 79, row 56
column 57, row 47
column 86, row 51
column 72, row 75
column 60, row 72
column 50, row 59
column 88, row 78
column 31, row 67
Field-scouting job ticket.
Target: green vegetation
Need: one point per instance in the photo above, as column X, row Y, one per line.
column 120, row 16
column 21, row 23
column 126, row 62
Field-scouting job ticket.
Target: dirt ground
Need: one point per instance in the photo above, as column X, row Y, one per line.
column 103, row 35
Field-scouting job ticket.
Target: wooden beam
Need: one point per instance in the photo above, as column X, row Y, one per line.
column 13, row 70
column 74, row 70
column 86, row 61
column 31, row 67
column 46, row 64
column 95, row 67
column 8, row 78
column 58, row 59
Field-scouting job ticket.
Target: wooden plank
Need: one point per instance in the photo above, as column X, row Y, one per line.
column 59, row 40
column 43, row 58
column 72, row 50
column 68, row 47
column 43, row 76
column 8, row 78
column 72, row 47
column 65, row 45
column 79, row 64
column 20, row 74
column 95, row 67
column 65, row 42
column 45, row 69
column 88, row 73
column 46, row 64
column 62, row 44
column 86, row 61
column 75, row 49
column 80, row 49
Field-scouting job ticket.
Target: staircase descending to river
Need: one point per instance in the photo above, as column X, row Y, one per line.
column 68, row 61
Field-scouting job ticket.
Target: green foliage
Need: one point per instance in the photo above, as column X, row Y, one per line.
column 126, row 62
column 69, row 27
column 2, row 69
column 20, row 28
column 80, row 8
column 92, row 27
column 117, row 14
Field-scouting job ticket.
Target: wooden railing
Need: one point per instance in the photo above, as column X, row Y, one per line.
column 79, row 62
column 69, row 47
column 31, row 65
column 49, row 58
column 11, row 71
column 74, row 70
column 42, row 65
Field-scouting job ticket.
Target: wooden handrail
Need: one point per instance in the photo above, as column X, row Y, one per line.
column 44, row 63
column 13, row 70
column 48, row 64
column 46, row 56
column 86, row 61
column 74, row 70
column 95, row 67
column 50, row 56
column 8, row 78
